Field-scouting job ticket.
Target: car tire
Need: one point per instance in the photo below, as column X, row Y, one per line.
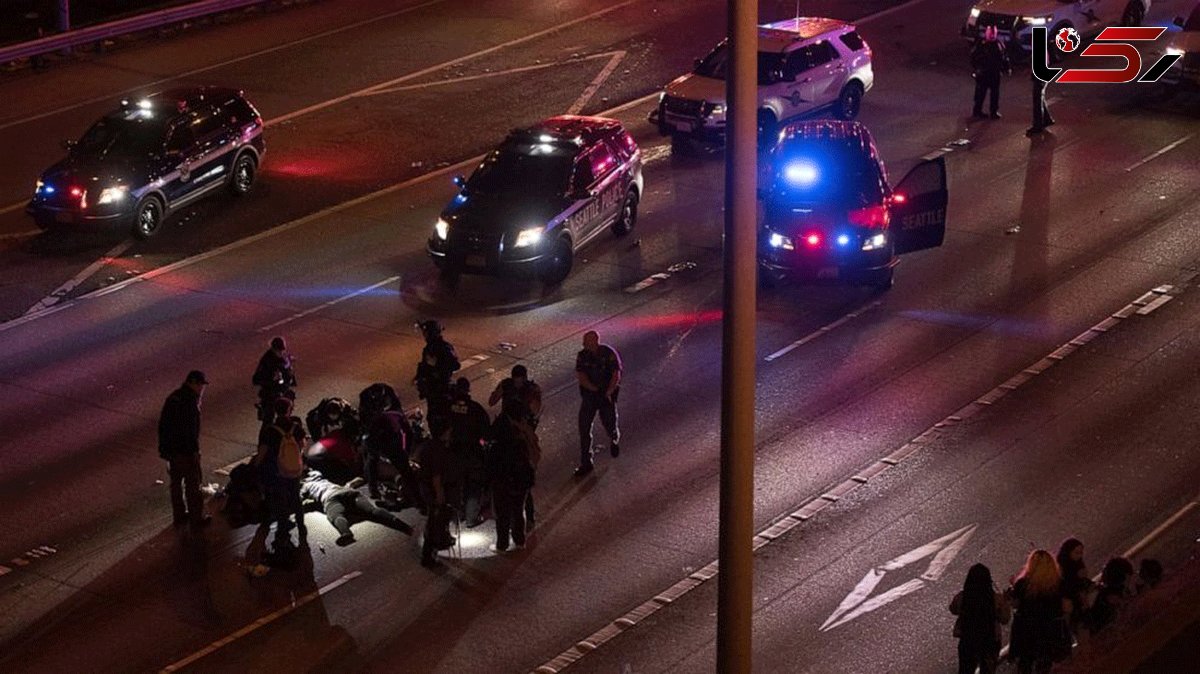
column 849, row 101
column 557, row 265
column 882, row 280
column 768, row 127
column 628, row 216
column 148, row 217
column 241, row 178
column 1134, row 14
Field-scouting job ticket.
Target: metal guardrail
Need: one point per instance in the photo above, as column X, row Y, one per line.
column 111, row 29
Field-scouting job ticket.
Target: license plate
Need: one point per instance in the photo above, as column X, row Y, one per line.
column 827, row 272
column 63, row 216
column 477, row 260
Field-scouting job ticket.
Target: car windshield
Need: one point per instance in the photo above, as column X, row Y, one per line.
column 808, row 172
column 539, row 172
column 122, row 137
column 1193, row 22
column 716, row 64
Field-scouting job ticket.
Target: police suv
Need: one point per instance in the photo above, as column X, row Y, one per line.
column 830, row 213
column 1015, row 19
column 805, row 65
column 150, row 157
column 546, row 192
column 1186, row 43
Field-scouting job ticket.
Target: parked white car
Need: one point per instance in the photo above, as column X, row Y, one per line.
column 1186, row 43
column 1015, row 19
column 806, row 66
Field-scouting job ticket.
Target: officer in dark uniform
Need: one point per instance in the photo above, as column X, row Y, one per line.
column 521, row 388
column 598, row 369
column 989, row 60
column 470, row 427
column 440, row 485
column 274, row 378
column 438, row 364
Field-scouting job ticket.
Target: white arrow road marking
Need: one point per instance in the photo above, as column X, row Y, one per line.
column 944, row 550
column 60, row 292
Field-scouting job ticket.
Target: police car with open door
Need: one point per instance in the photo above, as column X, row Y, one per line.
column 830, row 213
column 539, row 198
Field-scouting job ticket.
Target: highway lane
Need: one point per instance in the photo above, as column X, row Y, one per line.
column 958, row 322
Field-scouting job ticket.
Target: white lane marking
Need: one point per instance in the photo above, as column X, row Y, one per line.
column 13, row 207
column 296, row 603
column 214, row 66
column 498, row 73
column 20, row 235
column 807, row 511
column 330, row 303
column 60, row 292
column 4, row 570
column 445, row 64
column 598, row 80
column 859, row 602
column 821, row 331
column 647, row 282
column 279, row 229
column 1154, row 155
column 473, row 360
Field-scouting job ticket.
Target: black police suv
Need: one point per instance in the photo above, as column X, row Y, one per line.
column 538, row 198
column 829, row 212
column 151, row 156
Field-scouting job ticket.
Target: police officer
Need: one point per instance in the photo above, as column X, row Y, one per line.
column 438, row 364
column 989, row 59
column 179, row 446
column 440, row 489
column 274, row 378
column 598, row 369
column 470, row 428
column 521, row 388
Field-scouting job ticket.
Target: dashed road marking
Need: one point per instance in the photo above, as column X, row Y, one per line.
column 270, row 617
column 60, row 292
column 598, row 80
column 330, row 303
column 814, row 505
column 1158, row 153
column 825, row 329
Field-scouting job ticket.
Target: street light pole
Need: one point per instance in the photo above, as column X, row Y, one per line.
column 736, row 557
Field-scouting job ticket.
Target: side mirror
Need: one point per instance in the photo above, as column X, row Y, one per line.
column 459, row 181
column 1178, row 21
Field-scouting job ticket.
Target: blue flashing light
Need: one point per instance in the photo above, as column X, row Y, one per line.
column 843, row 240
column 48, row 189
column 800, row 173
column 460, row 198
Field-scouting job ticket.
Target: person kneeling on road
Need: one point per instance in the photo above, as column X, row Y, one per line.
column 341, row 503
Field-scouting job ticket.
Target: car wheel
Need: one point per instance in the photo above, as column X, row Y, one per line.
column 883, row 279
column 768, row 127
column 628, row 217
column 1133, row 14
column 243, row 174
column 147, row 218
column 557, row 266
column 849, row 101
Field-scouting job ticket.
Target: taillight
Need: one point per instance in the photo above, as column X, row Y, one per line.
column 871, row 217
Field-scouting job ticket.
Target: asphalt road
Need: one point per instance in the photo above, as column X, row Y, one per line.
column 1097, row 446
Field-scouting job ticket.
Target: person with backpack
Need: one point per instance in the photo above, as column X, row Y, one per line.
column 981, row 610
column 280, row 461
column 179, row 446
column 512, row 468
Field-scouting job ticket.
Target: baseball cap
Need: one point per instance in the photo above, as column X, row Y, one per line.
column 196, row 377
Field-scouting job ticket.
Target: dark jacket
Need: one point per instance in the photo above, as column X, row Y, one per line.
column 179, row 424
column 989, row 60
column 438, row 363
column 269, row 440
column 470, row 423
column 513, row 460
column 274, row 371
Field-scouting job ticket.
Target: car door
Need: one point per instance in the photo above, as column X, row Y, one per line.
column 177, row 177
column 209, row 157
column 918, row 207
column 818, row 84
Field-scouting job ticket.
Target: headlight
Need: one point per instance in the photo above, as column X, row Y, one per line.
column 528, row 237
column 781, row 241
column 441, row 229
column 37, row 187
column 661, row 96
column 1038, row 20
column 112, row 195
column 715, row 109
column 874, row 242
column 974, row 12
column 1175, row 51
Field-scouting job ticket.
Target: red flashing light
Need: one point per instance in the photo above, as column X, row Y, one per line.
column 899, row 198
column 813, row 240
column 871, row 217
column 76, row 192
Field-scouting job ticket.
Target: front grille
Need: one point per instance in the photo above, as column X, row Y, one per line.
column 684, row 107
column 474, row 241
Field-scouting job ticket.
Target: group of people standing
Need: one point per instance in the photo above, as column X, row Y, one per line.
column 989, row 63
column 1051, row 602
column 466, row 465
